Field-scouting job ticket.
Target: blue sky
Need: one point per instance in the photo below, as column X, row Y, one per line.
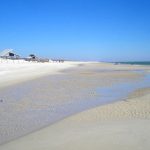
column 110, row 30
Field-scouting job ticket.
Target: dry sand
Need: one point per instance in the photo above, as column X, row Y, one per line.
column 16, row 71
column 123, row 125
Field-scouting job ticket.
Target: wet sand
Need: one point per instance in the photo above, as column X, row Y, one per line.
column 123, row 125
column 39, row 101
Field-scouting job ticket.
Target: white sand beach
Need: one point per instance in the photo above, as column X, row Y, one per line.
column 121, row 125
column 16, row 71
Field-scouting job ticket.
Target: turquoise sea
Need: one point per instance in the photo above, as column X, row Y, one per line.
column 135, row 62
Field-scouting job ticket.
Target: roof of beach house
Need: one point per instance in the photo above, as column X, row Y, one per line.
column 7, row 52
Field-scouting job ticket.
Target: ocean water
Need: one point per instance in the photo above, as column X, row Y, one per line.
column 135, row 63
